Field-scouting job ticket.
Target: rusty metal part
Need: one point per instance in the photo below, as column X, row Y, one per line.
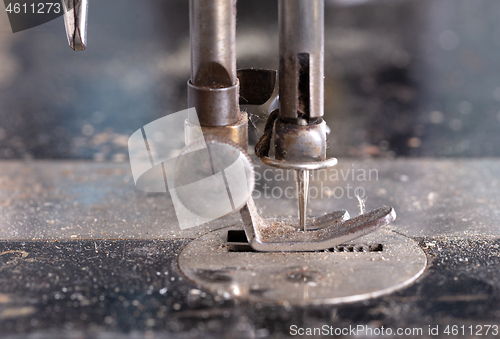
column 214, row 106
column 256, row 85
column 237, row 132
column 75, row 23
column 268, row 235
column 301, row 73
column 300, row 143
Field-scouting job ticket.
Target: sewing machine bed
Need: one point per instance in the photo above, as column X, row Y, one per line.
column 85, row 254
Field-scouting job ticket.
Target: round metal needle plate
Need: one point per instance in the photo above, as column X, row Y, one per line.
column 343, row 274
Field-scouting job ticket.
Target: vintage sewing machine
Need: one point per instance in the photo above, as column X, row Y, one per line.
column 216, row 90
column 115, row 258
column 218, row 127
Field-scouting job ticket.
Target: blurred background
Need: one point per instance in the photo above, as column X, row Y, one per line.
column 403, row 78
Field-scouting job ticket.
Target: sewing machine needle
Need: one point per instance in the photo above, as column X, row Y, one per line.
column 303, row 195
column 75, row 22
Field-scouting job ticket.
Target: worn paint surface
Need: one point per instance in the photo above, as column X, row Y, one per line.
column 128, row 288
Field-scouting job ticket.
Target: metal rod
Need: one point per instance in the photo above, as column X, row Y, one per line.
column 303, row 195
column 301, row 76
column 213, row 88
column 213, row 43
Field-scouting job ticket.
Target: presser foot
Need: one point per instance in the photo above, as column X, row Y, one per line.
column 330, row 230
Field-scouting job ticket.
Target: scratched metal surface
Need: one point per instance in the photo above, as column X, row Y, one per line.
column 87, row 200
